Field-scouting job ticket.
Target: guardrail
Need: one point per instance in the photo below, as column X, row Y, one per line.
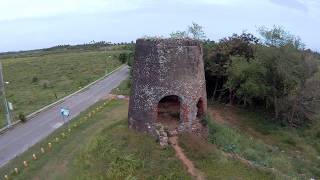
column 30, row 116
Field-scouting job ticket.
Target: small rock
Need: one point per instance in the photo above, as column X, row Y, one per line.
column 158, row 126
column 173, row 133
column 163, row 141
column 158, row 133
column 163, row 134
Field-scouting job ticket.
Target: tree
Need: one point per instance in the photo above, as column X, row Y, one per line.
column 287, row 72
column 123, row 57
column 130, row 59
column 218, row 59
column 278, row 37
column 196, row 31
column 284, row 73
column 246, row 79
column 305, row 99
column 274, row 73
column 179, row 34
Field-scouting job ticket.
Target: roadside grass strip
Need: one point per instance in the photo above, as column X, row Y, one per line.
column 67, row 131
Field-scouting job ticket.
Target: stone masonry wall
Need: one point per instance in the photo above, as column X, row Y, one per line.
column 164, row 67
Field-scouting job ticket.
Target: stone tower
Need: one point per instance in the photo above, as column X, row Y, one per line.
column 167, row 69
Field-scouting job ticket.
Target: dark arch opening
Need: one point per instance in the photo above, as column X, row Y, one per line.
column 200, row 108
column 169, row 111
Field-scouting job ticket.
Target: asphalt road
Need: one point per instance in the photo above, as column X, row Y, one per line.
column 23, row 136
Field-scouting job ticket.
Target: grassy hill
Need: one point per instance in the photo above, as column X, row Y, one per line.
column 104, row 148
column 38, row 79
column 100, row 148
column 242, row 144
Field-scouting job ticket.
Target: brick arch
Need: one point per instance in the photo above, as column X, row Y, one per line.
column 168, row 111
column 200, row 107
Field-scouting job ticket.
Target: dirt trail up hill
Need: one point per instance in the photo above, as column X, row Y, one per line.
column 184, row 159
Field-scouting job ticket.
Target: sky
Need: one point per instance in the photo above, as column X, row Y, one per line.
column 34, row 24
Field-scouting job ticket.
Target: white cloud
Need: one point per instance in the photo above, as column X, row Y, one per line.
column 21, row 9
column 225, row 2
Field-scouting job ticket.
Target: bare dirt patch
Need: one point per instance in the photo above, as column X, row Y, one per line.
column 194, row 172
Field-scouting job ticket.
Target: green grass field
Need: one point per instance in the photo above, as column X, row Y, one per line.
column 36, row 81
column 100, row 148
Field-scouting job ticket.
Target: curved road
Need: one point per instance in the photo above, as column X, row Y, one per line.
column 23, row 136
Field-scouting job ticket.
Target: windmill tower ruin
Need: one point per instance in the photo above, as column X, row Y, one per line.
column 168, row 85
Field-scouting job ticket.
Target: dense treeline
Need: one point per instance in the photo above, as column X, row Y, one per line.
column 273, row 72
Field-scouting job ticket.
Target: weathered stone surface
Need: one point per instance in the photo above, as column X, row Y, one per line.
column 164, row 67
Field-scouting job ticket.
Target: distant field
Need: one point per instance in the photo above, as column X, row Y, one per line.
column 38, row 80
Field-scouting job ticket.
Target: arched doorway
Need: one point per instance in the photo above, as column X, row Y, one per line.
column 200, row 108
column 169, row 111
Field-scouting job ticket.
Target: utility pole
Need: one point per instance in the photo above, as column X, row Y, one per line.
column 3, row 94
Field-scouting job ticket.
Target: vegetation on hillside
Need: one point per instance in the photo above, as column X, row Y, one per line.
column 274, row 73
column 250, row 137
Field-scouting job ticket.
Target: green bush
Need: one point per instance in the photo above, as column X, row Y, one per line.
column 22, row 117
column 318, row 134
column 45, row 84
column 34, row 79
column 317, row 146
column 232, row 141
column 290, row 141
column 205, row 120
column 130, row 59
column 123, row 57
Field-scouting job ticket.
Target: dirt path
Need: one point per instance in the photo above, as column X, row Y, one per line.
column 217, row 116
column 228, row 116
column 187, row 162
